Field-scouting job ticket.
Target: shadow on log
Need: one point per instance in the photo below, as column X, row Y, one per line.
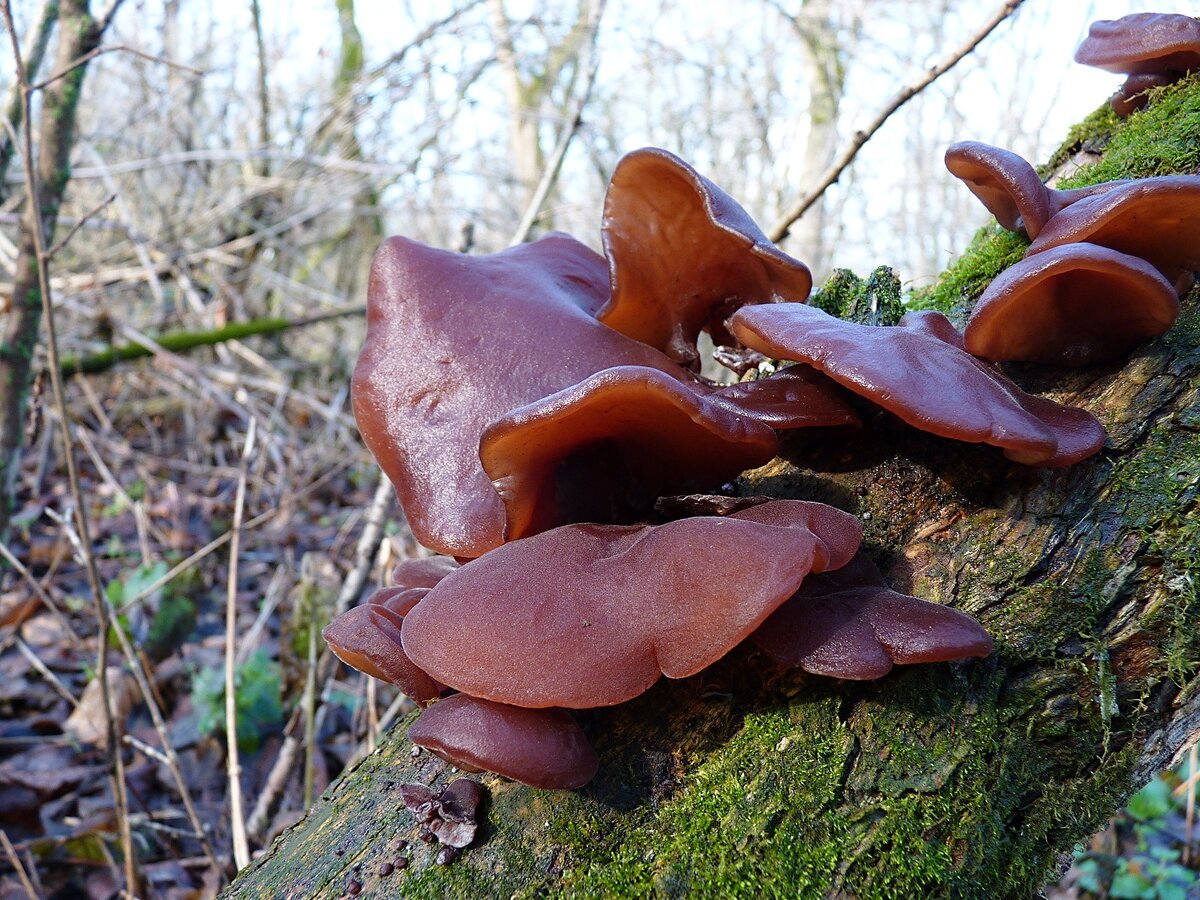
column 964, row 780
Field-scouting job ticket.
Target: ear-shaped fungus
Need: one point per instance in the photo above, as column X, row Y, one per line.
column 619, row 438
column 793, row 397
column 849, row 624
column 1010, row 187
column 543, row 748
column 1073, row 305
column 454, row 342
column 592, row 615
column 1157, row 46
column 684, row 255
column 919, row 371
column 1157, row 219
column 422, row 573
column 367, row 638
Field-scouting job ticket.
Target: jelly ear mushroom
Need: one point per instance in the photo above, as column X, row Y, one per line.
column 919, row 371
column 1156, row 219
column 1010, row 187
column 367, row 638
column 607, row 447
column 592, row 615
column 683, row 255
column 793, row 397
column 850, row 624
column 543, row 748
column 450, row 348
column 1073, row 304
column 1158, row 46
column 422, row 573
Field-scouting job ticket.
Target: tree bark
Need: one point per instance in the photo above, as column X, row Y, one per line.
column 79, row 34
column 950, row 780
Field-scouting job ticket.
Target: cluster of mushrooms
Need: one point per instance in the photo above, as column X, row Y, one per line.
column 541, row 414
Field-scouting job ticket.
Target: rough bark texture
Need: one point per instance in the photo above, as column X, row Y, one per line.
column 967, row 780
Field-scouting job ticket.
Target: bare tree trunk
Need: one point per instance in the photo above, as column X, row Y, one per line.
column 79, row 34
column 33, row 53
column 966, row 780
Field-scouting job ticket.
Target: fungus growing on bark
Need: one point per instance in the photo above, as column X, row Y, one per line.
column 1156, row 219
column 919, row 371
column 543, row 748
column 1010, row 187
column 454, row 343
column 618, row 439
column 684, row 255
column 1073, row 304
column 368, row 638
column 1161, row 46
column 592, row 615
column 449, row 814
column 849, row 624
column 422, row 573
column 792, row 397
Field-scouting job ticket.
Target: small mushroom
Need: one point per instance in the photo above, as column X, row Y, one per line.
column 449, row 814
column 1073, row 304
column 592, row 615
column 1134, row 93
column 849, row 624
column 455, row 342
column 424, row 572
column 543, row 748
column 368, row 638
column 1163, row 46
column 1010, row 187
column 793, row 397
column 683, row 255
column 1156, row 219
column 919, row 371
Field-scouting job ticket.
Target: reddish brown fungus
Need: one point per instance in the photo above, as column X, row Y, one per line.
column 592, row 615
column 615, row 441
column 1072, row 304
column 447, row 815
column 422, row 573
column 919, row 371
column 367, row 638
column 543, row 748
column 793, row 397
column 1156, row 219
column 1153, row 49
column 684, row 255
column 849, row 624
column 454, row 343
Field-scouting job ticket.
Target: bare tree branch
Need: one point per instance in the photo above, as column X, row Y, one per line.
column 781, row 228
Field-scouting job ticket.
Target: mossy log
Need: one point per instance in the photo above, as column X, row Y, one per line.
column 954, row 780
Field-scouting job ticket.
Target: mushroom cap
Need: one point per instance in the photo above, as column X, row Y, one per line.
column 793, row 397
column 368, row 638
column 399, row 600
column 683, row 255
column 919, row 371
column 626, row 434
column 454, row 342
column 1157, row 219
column 544, row 748
column 1142, row 43
column 849, row 624
column 1132, row 94
column 424, row 572
column 1072, row 304
column 592, row 615
column 1005, row 182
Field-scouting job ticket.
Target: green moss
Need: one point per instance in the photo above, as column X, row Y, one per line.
column 992, row 251
column 875, row 301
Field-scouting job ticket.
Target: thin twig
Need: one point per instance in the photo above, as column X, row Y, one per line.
column 834, row 172
column 95, row 211
column 46, row 599
column 33, row 195
column 15, row 860
column 112, row 48
column 241, row 846
column 368, row 544
column 591, row 65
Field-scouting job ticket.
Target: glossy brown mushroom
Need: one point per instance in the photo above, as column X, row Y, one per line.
column 367, row 638
column 1133, row 94
column 1157, row 219
column 1072, row 305
column 614, row 442
column 454, row 343
column 919, row 371
column 592, row 615
column 793, row 397
column 1010, row 187
column 1142, row 43
column 683, row 256
column 849, row 624
column 543, row 748
column 424, row 572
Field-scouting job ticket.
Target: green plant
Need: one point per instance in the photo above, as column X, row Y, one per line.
column 256, row 685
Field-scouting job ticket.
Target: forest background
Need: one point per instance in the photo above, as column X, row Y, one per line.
column 223, row 168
